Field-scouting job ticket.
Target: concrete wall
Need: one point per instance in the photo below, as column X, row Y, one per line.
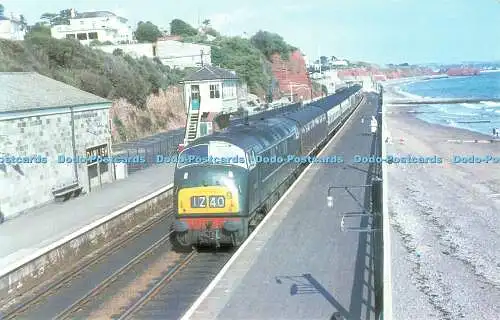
column 230, row 96
column 179, row 54
column 242, row 92
column 11, row 30
column 136, row 50
column 66, row 254
column 47, row 134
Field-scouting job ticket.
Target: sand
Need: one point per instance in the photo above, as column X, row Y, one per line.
column 445, row 223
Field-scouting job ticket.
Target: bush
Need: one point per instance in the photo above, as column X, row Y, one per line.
column 107, row 75
column 269, row 43
column 240, row 55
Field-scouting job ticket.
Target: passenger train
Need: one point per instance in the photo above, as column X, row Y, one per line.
column 223, row 189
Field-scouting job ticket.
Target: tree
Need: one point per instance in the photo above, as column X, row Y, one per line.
column 181, row 28
column 57, row 18
column 323, row 60
column 1, row 10
column 147, row 32
column 23, row 22
column 208, row 29
column 248, row 62
column 269, row 43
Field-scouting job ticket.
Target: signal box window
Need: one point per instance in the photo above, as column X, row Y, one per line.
column 93, row 35
column 214, row 91
column 82, row 36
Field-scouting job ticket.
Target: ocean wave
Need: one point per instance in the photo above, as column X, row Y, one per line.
column 471, row 105
column 491, row 103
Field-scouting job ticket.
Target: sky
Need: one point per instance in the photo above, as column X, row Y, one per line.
column 376, row 31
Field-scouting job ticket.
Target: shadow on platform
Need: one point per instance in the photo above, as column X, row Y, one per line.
column 307, row 284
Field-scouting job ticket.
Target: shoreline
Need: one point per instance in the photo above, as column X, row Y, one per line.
column 390, row 92
column 444, row 217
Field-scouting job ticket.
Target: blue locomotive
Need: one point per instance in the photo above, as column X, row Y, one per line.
column 225, row 183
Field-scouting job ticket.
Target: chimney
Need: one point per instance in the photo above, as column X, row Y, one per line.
column 72, row 13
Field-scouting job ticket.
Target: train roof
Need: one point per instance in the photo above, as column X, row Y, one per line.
column 268, row 113
column 329, row 102
column 305, row 115
column 257, row 135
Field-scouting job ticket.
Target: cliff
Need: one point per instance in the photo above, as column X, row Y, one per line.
column 292, row 77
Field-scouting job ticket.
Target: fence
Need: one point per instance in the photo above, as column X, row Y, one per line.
column 146, row 150
column 378, row 203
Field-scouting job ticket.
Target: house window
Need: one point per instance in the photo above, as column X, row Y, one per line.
column 214, row 91
column 81, row 36
column 93, row 36
column 70, row 36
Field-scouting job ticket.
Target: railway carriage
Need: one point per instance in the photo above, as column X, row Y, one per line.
column 313, row 128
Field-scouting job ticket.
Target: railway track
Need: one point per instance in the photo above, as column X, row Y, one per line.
column 78, row 306
column 40, row 294
column 167, row 296
column 172, row 295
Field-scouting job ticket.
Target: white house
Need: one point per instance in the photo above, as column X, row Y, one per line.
column 208, row 92
column 11, row 28
column 98, row 25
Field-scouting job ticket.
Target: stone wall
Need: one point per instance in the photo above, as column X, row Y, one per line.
column 40, row 137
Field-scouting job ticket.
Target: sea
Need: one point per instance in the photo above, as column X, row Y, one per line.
column 484, row 86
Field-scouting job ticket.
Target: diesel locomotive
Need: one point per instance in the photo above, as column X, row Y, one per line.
column 223, row 185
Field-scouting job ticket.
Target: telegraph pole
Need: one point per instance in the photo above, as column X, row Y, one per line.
column 201, row 55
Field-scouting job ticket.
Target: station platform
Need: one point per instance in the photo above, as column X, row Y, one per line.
column 40, row 227
column 299, row 264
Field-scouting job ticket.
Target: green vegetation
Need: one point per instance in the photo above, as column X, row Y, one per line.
column 249, row 58
column 240, row 55
column 57, row 18
column 269, row 43
column 106, row 75
column 181, row 28
column 118, row 75
column 147, row 32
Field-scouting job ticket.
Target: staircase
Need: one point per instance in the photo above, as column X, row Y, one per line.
column 192, row 127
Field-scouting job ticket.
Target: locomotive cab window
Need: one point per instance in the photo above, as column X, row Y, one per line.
column 193, row 155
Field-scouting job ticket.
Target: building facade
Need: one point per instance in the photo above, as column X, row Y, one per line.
column 11, row 28
column 209, row 92
column 41, row 130
column 98, row 25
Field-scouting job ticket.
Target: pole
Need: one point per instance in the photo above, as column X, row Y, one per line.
column 201, row 54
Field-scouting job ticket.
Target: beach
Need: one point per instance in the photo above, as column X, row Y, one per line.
column 445, row 221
